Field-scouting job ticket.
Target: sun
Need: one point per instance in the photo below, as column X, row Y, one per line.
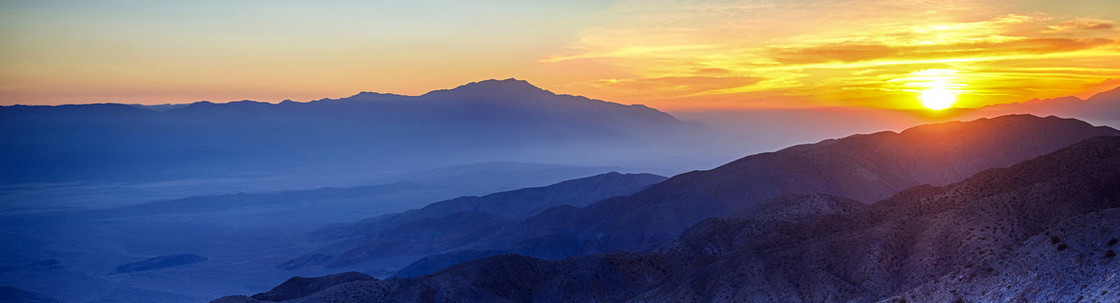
column 938, row 87
column 938, row 98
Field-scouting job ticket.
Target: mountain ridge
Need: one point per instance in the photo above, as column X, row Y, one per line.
column 873, row 165
column 1100, row 108
column 664, row 210
column 440, row 226
column 494, row 120
column 886, row 251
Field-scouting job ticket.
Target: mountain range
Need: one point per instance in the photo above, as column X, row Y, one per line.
column 1044, row 229
column 493, row 120
column 865, row 168
column 446, row 225
column 1100, row 108
column 121, row 202
column 759, row 130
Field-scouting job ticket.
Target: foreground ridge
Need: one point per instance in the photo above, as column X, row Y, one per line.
column 1038, row 230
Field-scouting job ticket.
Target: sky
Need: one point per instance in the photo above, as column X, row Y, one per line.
column 668, row 54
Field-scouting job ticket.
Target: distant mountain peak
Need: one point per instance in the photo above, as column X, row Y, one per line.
column 230, row 103
column 207, row 106
column 1109, row 94
column 507, row 84
column 369, row 94
column 495, row 89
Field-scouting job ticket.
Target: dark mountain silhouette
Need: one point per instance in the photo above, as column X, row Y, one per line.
column 446, row 225
column 298, row 287
column 1036, row 231
column 506, row 120
column 757, row 130
column 863, row 167
column 435, row 263
column 923, row 234
column 778, row 211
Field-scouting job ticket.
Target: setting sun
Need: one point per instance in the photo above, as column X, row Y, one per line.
column 938, row 88
column 938, row 98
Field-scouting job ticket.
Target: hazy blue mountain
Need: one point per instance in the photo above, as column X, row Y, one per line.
column 1101, row 108
column 493, row 120
column 1038, row 230
column 260, row 201
column 435, row 263
column 513, row 204
column 159, row 263
column 438, row 184
column 765, row 216
column 530, row 201
column 15, row 295
column 68, row 253
column 448, row 225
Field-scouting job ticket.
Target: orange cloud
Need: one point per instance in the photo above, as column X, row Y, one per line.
column 860, row 55
column 1080, row 24
column 835, row 52
column 672, row 87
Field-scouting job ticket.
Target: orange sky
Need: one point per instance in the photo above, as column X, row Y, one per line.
column 673, row 55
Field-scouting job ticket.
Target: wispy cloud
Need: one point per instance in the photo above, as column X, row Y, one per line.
column 841, row 53
column 1080, row 24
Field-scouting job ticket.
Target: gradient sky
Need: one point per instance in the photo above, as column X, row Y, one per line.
column 669, row 54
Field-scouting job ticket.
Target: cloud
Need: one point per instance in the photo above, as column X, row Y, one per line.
column 1080, row 24
column 841, row 53
column 832, row 52
column 847, row 53
column 673, row 87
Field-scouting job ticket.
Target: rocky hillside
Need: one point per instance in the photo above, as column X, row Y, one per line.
column 923, row 234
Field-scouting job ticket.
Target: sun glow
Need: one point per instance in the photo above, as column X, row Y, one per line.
column 938, row 98
column 940, row 88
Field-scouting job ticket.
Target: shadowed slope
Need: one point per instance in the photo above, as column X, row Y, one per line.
column 1074, row 261
column 919, row 235
column 829, row 249
column 298, row 287
column 450, row 224
column 868, row 167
